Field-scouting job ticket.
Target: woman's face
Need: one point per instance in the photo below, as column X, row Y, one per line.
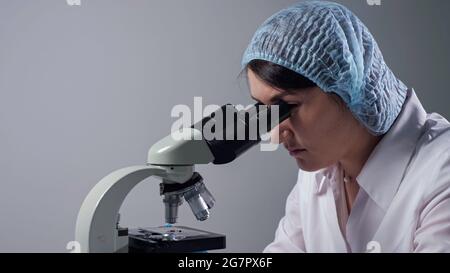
column 319, row 131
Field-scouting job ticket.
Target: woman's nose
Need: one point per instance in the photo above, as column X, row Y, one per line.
column 281, row 132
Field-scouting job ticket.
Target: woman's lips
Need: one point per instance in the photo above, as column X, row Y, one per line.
column 296, row 152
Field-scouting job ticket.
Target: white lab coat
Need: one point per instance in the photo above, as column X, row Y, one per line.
column 403, row 204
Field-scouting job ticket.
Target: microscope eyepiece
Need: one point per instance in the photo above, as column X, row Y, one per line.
column 229, row 132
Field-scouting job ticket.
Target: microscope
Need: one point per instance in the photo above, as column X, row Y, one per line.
column 172, row 160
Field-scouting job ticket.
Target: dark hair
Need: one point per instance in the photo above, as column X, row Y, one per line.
column 278, row 76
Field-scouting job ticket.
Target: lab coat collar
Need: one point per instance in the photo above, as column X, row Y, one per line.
column 383, row 172
column 324, row 177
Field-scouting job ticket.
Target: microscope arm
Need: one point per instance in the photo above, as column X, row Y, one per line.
column 96, row 228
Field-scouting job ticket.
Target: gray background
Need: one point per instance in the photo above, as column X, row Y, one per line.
column 87, row 90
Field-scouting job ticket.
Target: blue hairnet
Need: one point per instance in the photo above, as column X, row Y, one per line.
column 326, row 43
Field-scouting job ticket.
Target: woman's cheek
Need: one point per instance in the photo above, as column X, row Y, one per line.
column 312, row 131
column 300, row 123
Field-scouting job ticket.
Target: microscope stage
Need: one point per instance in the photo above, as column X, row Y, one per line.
column 173, row 239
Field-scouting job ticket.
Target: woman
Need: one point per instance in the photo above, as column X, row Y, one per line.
column 374, row 167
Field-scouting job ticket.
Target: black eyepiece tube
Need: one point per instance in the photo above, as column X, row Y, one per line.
column 230, row 132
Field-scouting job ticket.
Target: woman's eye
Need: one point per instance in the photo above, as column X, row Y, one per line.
column 295, row 107
column 295, row 104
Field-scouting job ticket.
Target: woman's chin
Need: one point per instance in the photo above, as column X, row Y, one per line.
column 307, row 166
